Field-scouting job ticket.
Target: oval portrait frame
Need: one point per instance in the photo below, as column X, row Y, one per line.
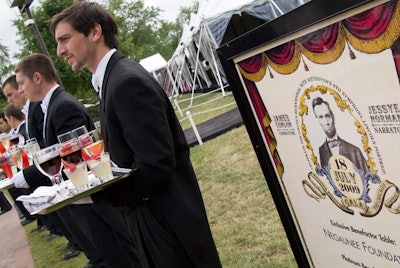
column 343, row 106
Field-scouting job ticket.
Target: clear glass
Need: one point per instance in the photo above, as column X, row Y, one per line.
column 19, row 157
column 75, row 133
column 79, row 131
column 31, row 146
column 101, row 167
column 17, row 140
column 48, row 161
column 5, row 140
column 92, row 145
column 74, row 166
column 78, row 175
column 5, row 164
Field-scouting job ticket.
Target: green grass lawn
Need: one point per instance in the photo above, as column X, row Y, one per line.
column 204, row 106
column 243, row 218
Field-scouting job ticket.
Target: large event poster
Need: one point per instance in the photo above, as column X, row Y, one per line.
column 328, row 105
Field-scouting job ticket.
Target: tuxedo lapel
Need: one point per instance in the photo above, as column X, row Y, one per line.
column 103, row 118
column 48, row 111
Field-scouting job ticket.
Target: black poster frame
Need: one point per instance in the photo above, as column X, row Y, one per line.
column 307, row 15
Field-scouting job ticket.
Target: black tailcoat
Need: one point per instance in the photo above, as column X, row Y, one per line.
column 162, row 200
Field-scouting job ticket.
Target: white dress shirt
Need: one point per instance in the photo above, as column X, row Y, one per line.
column 98, row 76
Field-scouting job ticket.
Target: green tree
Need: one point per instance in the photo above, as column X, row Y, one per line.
column 4, row 60
column 77, row 83
column 185, row 12
column 138, row 27
column 5, row 69
column 142, row 33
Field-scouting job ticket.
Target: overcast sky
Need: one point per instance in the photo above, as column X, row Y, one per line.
column 7, row 15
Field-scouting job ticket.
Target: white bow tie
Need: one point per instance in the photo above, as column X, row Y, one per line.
column 44, row 107
column 95, row 84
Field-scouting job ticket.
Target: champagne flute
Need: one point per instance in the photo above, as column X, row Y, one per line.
column 19, row 157
column 31, row 146
column 48, row 161
column 5, row 140
column 5, row 164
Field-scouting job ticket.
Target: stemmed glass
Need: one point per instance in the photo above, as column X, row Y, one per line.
column 31, row 146
column 5, row 140
column 17, row 140
column 19, row 157
column 48, row 161
column 5, row 164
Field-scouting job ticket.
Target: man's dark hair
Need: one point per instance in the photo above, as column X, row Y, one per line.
column 318, row 101
column 83, row 15
column 11, row 110
column 12, row 80
column 3, row 116
column 40, row 63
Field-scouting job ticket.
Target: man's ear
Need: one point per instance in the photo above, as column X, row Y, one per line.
column 96, row 32
column 37, row 77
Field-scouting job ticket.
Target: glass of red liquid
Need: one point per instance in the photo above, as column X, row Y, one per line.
column 92, row 145
column 74, row 166
column 48, row 161
column 17, row 140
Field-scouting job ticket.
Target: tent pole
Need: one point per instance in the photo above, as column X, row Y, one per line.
column 276, row 6
column 171, row 78
column 217, row 71
column 195, row 68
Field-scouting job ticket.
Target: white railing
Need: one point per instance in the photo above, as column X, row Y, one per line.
column 189, row 116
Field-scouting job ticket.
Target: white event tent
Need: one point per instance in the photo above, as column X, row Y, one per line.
column 195, row 63
column 153, row 64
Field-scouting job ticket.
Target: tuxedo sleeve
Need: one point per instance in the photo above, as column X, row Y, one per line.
column 35, row 178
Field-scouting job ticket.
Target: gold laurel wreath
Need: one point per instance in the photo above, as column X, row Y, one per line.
column 342, row 105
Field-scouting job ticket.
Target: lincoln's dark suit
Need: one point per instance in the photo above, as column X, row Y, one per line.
column 102, row 226
column 162, row 200
column 347, row 150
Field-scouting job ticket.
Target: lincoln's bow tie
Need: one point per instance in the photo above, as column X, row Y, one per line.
column 334, row 143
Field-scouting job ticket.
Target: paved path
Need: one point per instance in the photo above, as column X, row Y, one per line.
column 14, row 248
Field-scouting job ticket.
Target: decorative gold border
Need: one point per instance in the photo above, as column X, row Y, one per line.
column 384, row 41
column 342, row 105
column 374, row 46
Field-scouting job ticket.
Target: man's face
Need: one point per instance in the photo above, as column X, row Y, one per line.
column 28, row 87
column 15, row 97
column 4, row 127
column 73, row 46
column 325, row 119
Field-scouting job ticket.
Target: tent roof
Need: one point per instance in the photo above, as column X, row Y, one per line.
column 153, row 63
